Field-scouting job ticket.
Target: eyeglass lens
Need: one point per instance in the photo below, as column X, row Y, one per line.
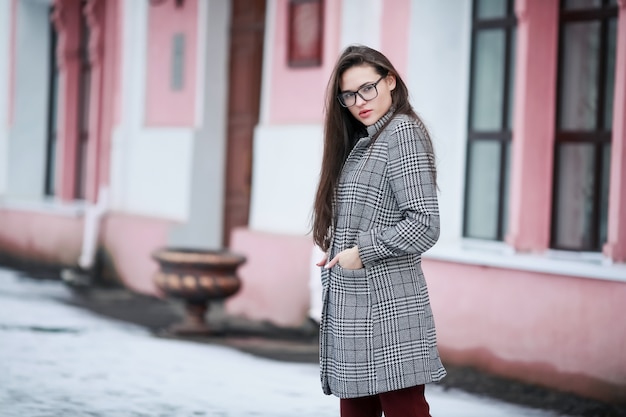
column 367, row 92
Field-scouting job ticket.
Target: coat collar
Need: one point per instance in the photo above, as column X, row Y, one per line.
column 373, row 129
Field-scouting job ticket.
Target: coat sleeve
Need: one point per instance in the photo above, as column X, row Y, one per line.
column 411, row 175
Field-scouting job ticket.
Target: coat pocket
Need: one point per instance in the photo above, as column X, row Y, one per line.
column 351, row 280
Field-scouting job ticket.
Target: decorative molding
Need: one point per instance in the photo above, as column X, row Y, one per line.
column 94, row 13
column 179, row 3
column 66, row 20
column 58, row 20
column 521, row 11
column 57, row 17
column 305, row 33
column 67, row 40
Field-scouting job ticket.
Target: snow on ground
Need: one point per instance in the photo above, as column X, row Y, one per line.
column 58, row 360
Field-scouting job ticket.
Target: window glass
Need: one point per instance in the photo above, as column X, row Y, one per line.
column 579, row 72
column 483, row 190
column 490, row 119
column 575, row 196
column 53, row 101
column 488, row 93
column 585, row 115
column 509, row 118
column 52, row 129
column 604, row 193
column 490, row 9
column 581, row 4
column 609, row 85
column 505, row 192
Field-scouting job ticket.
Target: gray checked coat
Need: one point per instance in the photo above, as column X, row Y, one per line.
column 377, row 332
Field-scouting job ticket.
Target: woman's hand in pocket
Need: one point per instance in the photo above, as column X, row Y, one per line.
column 347, row 259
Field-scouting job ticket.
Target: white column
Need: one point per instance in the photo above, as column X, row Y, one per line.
column 132, row 80
column 5, row 63
column 360, row 22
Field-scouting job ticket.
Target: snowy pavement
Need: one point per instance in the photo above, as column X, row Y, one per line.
column 58, row 360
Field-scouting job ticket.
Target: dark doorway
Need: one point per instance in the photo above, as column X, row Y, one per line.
column 244, row 92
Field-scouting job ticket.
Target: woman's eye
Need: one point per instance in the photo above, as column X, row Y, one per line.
column 367, row 88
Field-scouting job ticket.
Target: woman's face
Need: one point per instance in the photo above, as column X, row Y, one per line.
column 361, row 79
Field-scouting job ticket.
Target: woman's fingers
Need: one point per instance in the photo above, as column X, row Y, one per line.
column 332, row 262
column 348, row 259
column 323, row 261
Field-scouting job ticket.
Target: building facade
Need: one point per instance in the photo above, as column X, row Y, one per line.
column 130, row 125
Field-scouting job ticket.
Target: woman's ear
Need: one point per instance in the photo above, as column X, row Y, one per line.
column 391, row 82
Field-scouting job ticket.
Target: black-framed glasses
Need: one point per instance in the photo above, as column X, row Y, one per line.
column 367, row 92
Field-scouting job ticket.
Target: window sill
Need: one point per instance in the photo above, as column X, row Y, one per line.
column 44, row 206
column 500, row 255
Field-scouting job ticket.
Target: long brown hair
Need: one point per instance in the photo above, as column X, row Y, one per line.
column 342, row 130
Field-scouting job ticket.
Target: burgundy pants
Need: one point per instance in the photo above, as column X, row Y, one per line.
column 407, row 402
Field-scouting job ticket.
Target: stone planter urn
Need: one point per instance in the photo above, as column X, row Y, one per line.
column 197, row 277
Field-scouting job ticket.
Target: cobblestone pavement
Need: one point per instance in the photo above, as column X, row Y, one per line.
column 61, row 360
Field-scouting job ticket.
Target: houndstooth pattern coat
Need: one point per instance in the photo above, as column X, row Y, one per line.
column 377, row 332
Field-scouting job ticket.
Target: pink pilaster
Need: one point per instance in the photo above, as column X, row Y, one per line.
column 94, row 12
column 533, row 125
column 168, row 105
column 111, row 67
column 615, row 247
column 309, row 80
column 66, row 19
column 394, row 39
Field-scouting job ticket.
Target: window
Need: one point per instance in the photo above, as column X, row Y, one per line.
column 305, row 33
column 53, row 96
column 489, row 124
column 586, row 75
column 82, row 83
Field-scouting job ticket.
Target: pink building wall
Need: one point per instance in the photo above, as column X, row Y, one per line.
column 40, row 237
column 166, row 106
column 274, row 278
column 112, row 73
column 547, row 329
column 296, row 95
column 308, row 85
column 104, row 57
column 129, row 241
column 395, row 23
column 50, row 239
column 57, row 240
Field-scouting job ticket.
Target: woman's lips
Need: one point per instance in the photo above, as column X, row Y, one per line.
column 364, row 113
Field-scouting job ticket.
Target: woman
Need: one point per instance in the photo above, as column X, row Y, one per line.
column 375, row 213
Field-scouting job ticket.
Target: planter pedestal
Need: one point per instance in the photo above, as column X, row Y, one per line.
column 197, row 277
